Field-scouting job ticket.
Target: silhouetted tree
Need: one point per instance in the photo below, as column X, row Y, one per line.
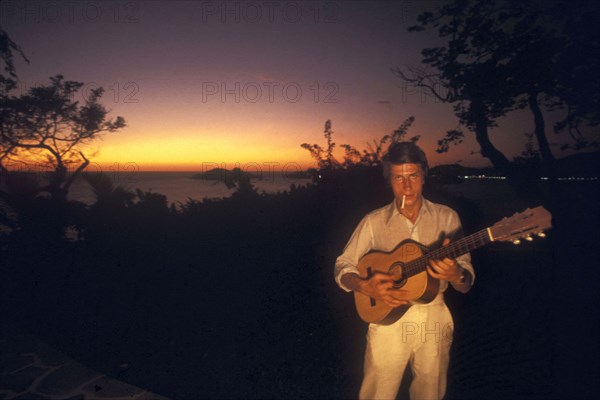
column 504, row 55
column 577, row 64
column 8, row 215
column 7, row 47
column 324, row 156
column 47, row 127
column 371, row 156
column 463, row 71
column 106, row 193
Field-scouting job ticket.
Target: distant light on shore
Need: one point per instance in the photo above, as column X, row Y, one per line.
column 542, row 178
column 575, row 178
column 482, row 177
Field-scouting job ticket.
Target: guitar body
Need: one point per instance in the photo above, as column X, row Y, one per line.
column 419, row 288
column 407, row 263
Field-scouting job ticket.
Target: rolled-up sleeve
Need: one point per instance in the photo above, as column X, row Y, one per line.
column 359, row 244
column 464, row 260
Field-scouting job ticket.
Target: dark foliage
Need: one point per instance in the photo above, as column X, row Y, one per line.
column 45, row 129
column 235, row 297
column 504, row 55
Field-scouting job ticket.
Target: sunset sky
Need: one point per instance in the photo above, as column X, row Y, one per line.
column 241, row 82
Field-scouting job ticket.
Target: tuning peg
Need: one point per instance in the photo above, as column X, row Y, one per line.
column 528, row 238
column 541, row 234
column 516, row 241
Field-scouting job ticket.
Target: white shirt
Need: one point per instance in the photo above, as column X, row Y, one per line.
column 384, row 228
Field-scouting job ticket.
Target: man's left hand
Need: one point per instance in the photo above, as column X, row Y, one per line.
column 446, row 269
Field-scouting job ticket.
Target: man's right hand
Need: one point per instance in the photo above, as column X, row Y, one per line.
column 379, row 286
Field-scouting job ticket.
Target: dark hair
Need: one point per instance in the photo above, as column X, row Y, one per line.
column 404, row 153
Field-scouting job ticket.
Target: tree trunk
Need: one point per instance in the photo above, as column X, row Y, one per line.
column 481, row 134
column 540, row 130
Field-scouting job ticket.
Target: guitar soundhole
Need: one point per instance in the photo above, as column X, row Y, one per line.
column 399, row 283
column 397, row 272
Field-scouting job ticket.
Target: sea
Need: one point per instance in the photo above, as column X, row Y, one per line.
column 179, row 187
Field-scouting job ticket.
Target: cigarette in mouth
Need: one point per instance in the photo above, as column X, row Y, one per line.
column 403, row 200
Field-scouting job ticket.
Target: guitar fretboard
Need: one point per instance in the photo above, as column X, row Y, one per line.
column 453, row 250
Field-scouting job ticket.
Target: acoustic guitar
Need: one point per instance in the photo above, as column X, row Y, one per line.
column 407, row 263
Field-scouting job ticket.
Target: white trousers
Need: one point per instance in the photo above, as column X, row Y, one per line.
column 422, row 337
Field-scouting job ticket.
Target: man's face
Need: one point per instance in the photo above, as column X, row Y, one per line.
column 407, row 179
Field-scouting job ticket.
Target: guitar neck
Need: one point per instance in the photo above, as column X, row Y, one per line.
column 453, row 250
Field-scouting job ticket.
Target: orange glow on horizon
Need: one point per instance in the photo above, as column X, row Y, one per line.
column 180, row 153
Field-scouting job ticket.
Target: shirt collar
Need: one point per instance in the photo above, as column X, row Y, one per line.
column 392, row 211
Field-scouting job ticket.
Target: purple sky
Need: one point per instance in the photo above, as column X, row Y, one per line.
column 226, row 82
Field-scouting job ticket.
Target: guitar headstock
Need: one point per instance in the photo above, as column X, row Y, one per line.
column 532, row 221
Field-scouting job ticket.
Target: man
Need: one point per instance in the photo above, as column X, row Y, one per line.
column 422, row 336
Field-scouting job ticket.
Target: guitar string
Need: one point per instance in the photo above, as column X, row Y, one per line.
column 462, row 246
column 454, row 250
